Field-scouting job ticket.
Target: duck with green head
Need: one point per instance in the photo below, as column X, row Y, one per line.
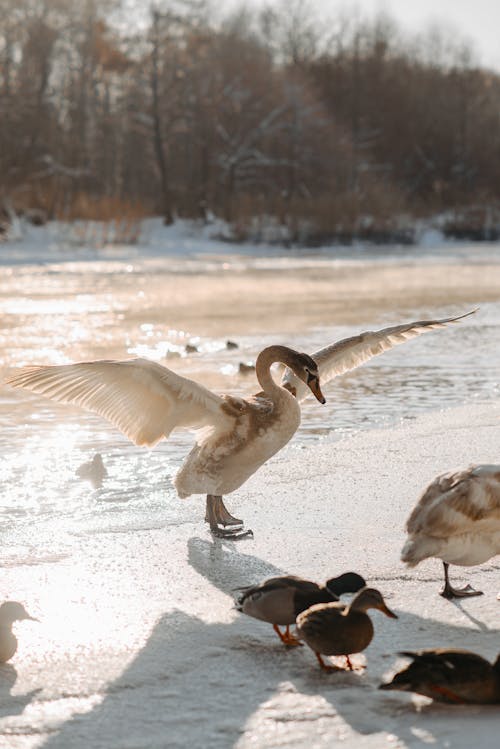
column 279, row 600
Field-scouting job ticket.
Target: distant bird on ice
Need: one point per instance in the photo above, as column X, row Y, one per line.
column 235, row 435
column 10, row 612
column 457, row 519
column 452, row 676
column 94, row 471
column 279, row 600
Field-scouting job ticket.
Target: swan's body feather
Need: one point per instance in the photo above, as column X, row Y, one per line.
column 457, row 518
column 350, row 353
column 221, row 461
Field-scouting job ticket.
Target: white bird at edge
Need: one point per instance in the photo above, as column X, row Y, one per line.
column 235, row 436
column 457, row 520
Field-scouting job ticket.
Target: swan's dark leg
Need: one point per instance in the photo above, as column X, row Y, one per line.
column 224, row 516
column 216, row 517
column 450, row 592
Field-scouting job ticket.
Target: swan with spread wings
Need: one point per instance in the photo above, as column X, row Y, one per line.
column 235, row 436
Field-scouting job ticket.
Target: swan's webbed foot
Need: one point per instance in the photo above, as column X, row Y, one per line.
column 218, row 515
column 449, row 592
column 231, row 534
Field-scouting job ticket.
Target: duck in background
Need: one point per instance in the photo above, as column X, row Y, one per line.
column 452, row 676
column 338, row 629
column 279, row 600
column 457, row 520
column 10, row 612
column 94, row 471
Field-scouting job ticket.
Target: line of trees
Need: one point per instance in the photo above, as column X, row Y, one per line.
column 324, row 129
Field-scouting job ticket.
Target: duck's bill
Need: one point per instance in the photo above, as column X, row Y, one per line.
column 313, row 384
column 32, row 618
column 387, row 611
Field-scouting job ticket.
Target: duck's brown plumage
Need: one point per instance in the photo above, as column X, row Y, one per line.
column 452, row 676
column 279, row 600
column 337, row 629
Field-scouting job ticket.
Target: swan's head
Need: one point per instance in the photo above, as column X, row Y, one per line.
column 307, row 370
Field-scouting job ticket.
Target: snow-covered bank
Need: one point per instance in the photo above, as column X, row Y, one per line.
column 60, row 242
column 139, row 646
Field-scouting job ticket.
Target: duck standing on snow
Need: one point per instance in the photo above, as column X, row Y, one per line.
column 453, row 676
column 10, row 612
column 457, row 519
column 235, row 435
column 280, row 600
column 337, row 629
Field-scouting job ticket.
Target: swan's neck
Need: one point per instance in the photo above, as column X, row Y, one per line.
column 265, row 360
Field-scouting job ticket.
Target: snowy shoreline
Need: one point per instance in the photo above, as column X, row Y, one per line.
column 58, row 242
column 146, row 650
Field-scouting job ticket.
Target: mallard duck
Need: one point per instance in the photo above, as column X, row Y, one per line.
column 10, row 612
column 236, row 436
column 337, row 629
column 280, row 600
column 453, row 676
column 94, row 471
column 457, row 520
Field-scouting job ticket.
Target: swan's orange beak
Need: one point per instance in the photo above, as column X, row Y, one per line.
column 313, row 385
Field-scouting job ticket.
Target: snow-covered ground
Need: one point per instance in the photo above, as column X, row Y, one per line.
column 138, row 645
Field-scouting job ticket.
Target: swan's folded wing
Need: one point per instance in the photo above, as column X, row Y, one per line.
column 469, row 504
column 350, row 353
column 142, row 398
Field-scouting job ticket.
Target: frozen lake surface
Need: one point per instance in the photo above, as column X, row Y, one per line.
column 137, row 627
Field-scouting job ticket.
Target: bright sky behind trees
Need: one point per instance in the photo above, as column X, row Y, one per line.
column 476, row 20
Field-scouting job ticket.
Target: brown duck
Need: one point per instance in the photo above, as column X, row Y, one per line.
column 337, row 629
column 280, row 600
column 452, row 676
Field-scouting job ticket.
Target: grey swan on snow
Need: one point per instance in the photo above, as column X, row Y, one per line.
column 457, row 520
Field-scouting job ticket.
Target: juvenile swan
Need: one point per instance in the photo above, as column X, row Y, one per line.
column 457, row 519
column 146, row 401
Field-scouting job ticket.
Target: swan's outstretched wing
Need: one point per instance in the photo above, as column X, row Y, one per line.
column 142, row 398
column 350, row 353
